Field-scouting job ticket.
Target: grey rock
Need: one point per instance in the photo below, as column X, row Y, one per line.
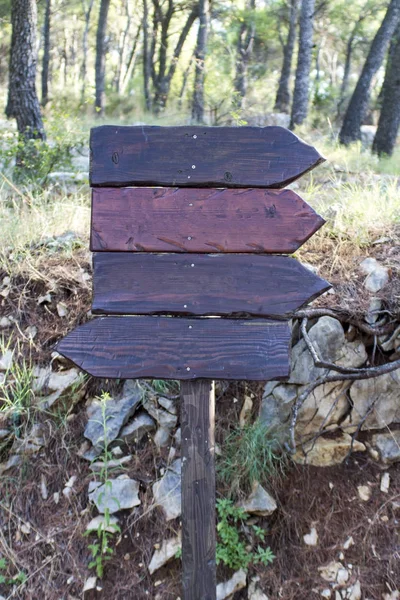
column 228, row 588
column 378, row 275
column 117, row 413
column 14, row 461
column 375, row 305
column 6, row 360
column 254, row 592
column 134, row 431
column 119, row 494
column 99, row 523
column 4, row 433
column 326, row 452
column 388, row 446
column 168, row 404
column 167, row 491
column 31, row 443
column 259, row 502
column 367, row 135
column 58, row 383
column 327, row 335
column 166, row 552
column 166, row 421
column 381, row 395
column 5, row 322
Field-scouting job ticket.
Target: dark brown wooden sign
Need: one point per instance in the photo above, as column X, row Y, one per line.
column 178, row 348
column 201, row 284
column 198, row 156
column 200, row 220
column 227, row 292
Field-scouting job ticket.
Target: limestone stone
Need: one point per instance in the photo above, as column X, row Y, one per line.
column 254, row 591
column 118, row 494
column 168, row 404
column 378, row 275
column 58, row 383
column 387, row 446
column 99, row 523
column 139, row 427
column 311, row 539
column 6, row 360
column 166, row 421
column 327, row 336
column 168, row 550
column 325, row 452
column 228, row 588
column 380, row 392
column 117, row 413
column 260, row 502
column 330, row 571
column 167, row 491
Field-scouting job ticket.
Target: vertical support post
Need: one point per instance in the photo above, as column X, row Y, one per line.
column 198, row 489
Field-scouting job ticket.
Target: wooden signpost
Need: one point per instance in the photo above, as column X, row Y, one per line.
column 195, row 271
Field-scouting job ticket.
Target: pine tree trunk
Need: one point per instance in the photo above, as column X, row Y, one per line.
column 358, row 105
column 244, row 48
column 46, row 54
column 85, row 48
column 302, row 84
column 146, row 57
column 23, row 103
column 389, row 120
column 200, row 53
column 101, row 57
column 282, row 102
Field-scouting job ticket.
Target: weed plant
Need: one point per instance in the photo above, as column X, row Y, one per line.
column 251, row 454
column 232, row 544
column 102, row 550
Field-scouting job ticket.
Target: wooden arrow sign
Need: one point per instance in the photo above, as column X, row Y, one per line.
column 198, row 156
column 228, row 291
column 176, row 348
column 200, row 220
column 201, row 284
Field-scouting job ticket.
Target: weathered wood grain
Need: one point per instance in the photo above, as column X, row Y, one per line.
column 198, row 490
column 201, row 284
column 179, row 348
column 198, row 156
column 200, row 220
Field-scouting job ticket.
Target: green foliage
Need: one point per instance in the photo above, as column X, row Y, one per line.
column 250, row 454
column 233, row 548
column 36, row 158
column 18, row 579
column 102, row 550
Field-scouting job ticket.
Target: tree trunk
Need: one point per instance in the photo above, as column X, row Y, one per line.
column 282, row 102
column 130, row 65
column 162, row 79
column 358, row 105
column 101, row 57
column 146, row 57
column 244, row 48
column 389, row 120
column 200, row 54
column 23, row 103
column 46, row 54
column 85, row 47
column 184, row 81
column 302, row 84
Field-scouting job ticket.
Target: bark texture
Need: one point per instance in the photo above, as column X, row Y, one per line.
column 146, row 56
column 101, row 56
column 87, row 8
column 389, row 120
column 282, row 102
column 200, row 54
column 46, row 54
column 23, row 103
column 244, row 48
column 302, row 84
column 358, row 105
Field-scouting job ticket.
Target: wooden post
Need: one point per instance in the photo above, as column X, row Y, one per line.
column 198, row 489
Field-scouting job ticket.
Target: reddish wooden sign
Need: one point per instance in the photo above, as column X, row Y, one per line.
column 200, row 220
column 132, row 225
